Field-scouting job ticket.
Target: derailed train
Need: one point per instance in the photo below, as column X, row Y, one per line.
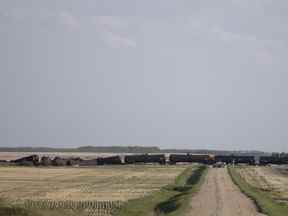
column 208, row 159
column 145, row 158
column 273, row 160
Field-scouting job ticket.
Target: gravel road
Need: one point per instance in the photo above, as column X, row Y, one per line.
column 219, row 196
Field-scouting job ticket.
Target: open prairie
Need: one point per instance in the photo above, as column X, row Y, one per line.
column 81, row 191
column 270, row 179
column 99, row 183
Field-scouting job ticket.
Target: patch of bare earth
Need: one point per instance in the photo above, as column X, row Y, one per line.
column 219, row 196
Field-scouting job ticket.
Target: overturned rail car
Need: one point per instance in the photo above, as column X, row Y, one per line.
column 74, row 161
column 145, row 158
column 191, row 158
column 265, row 160
column 113, row 160
column 235, row 159
column 30, row 160
column 92, row 162
column 58, row 161
column 46, row 161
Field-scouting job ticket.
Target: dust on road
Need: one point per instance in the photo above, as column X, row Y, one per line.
column 219, row 196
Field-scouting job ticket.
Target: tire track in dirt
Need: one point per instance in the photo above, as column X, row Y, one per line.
column 219, row 196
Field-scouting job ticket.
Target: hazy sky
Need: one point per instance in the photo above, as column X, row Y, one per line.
column 176, row 74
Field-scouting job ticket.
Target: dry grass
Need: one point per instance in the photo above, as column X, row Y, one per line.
column 267, row 179
column 99, row 183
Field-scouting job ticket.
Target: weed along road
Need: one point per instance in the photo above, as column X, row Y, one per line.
column 219, row 196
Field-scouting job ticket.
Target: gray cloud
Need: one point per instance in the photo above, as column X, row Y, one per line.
column 110, row 28
column 232, row 36
column 69, row 20
column 214, row 76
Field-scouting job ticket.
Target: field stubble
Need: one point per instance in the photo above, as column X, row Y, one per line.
column 94, row 189
column 270, row 179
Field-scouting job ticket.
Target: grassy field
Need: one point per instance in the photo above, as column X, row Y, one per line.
column 81, row 189
column 172, row 200
column 271, row 179
column 259, row 187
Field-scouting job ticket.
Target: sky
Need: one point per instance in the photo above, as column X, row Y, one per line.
column 174, row 74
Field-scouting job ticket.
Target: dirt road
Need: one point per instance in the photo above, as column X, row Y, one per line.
column 219, row 196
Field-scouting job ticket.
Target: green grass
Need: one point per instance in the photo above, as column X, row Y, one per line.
column 171, row 200
column 264, row 201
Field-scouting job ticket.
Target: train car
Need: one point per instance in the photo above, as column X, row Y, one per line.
column 4, row 162
column 92, row 162
column 265, row 160
column 227, row 159
column 245, row 160
column 235, row 159
column 30, row 160
column 191, row 158
column 145, row 158
column 112, row 160
column 58, row 161
column 285, row 160
column 203, row 158
column 46, row 161
column 74, row 161
column 156, row 158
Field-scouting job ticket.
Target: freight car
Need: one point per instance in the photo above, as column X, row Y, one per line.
column 4, row 162
column 58, row 161
column 145, row 158
column 235, row 159
column 227, row 159
column 74, row 161
column 264, row 160
column 191, row 158
column 46, row 161
column 245, row 160
column 30, row 160
column 92, row 162
column 113, row 160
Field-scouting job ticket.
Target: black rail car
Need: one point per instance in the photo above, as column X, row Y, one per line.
column 236, row 159
column 73, row 161
column 58, row 161
column 30, row 160
column 264, row 160
column 92, row 162
column 228, row 159
column 46, row 161
column 191, row 158
column 245, row 159
column 109, row 160
column 4, row 162
column 145, row 158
